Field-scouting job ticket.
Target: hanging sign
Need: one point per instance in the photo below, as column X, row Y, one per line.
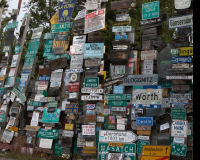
column 95, row 21
column 88, row 130
column 140, row 80
column 117, row 136
column 93, row 50
column 179, row 128
column 186, row 51
column 65, row 10
column 147, row 121
column 181, row 21
column 158, row 151
column 150, row 10
column 62, row 27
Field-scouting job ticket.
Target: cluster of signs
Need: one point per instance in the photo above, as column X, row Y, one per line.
column 140, row 111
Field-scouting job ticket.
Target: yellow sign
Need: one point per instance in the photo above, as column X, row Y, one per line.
column 64, row 44
column 156, row 151
column 146, row 133
column 55, row 18
column 69, row 127
column 2, row 78
column 154, row 158
column 186, row 51
column 116, row 144
column 15, row 129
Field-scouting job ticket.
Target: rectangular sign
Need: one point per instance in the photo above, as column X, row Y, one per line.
column 11, row 25
column 141, row 80
column 158, row 151
column 62, row 27
column 178, row 149
column 117, row 103
column 50, row 134
column 92, row 90
column 150, row 10
column 178, row 113
column 49, row 117
column 148, row 67
column 149, row 55
column 181, row 59
column 91, row 82
column 95, row 21
column 88, row 130
column 93, row 50
column 154, row 158
column 179, row 128
column 123, row 97
column 181, row 21
column 79, row 39
column 186, row 51
column 122, row 17
column 37, row 33
column 118, row 89
column 122, row 29
column 148, row 121
column 91, row 98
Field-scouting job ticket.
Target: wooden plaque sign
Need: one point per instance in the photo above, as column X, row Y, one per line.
column 125, row 4
column 119, row 57
column 58, row 63
column 95, row 37
column 92, row 62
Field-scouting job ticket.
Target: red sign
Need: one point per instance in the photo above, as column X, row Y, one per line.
column 73, row 87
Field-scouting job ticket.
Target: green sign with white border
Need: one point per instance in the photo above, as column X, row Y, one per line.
column 150, row 10
column 91, row 82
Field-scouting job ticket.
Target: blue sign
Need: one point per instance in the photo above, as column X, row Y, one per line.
column 147, row 106
column 145, row 121
column 93, row 50
column 121, row 37
column 181, row 59
column 118, row 90
column 44, row 78
column 65, row 10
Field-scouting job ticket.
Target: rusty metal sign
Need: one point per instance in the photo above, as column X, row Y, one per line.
column 58, row 63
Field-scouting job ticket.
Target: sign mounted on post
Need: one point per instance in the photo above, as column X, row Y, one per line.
column 95, row 21
column 150, row 10
column 117, row 136
column 118, row 89
column 124, row 97
column 186, row 51
column 122, row 29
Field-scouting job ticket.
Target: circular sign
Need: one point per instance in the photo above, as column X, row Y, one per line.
column 74, row 77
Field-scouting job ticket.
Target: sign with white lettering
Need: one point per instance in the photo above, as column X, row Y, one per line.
column 181, row 59
column 118, row 89
column 37, row 33
column 93, row 50
column 150, row 10
column 122, row 29
column 91, row 98
column 92, row 90
column 148, row 121
column 179, row 128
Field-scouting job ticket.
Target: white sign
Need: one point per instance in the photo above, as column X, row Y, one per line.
column 91, row 4
column 100, row 119
column 76, row 61
column 117, row 136
column 179, row 140
column 67, row 133
column 81, row 14
column 46, row 143
column 181, row 21
column 76, row 49
column 14, row 60
column 122, row 17
column 179, row 77
column 74, row 70
column 73, row 95
column 149, row 55
column 92, row 98
column 182, row 4
column 35, row 118
column 179, row 128
column 120, row 127
column 88, row 130
column 79, row 39
column 164, row 126
column 92, row 90
column 148, row 67
column 143, row 138
column 122, row 29
column 37, row 33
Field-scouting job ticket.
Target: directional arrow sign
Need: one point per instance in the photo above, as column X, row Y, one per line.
column 117, row 136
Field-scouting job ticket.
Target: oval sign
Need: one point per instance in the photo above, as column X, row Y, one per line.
column 117, row 136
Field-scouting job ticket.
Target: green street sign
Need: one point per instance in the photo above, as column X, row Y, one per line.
column 92, row 82
column 140, row 144
column 117, row 103
column 53, row 57
column 35, row 103
column 11, row 25
column 116, row 97
column 128, row 149
column 51, row 117
column 62, row 27
column 178, row 149
column 48, row 134
column 17, row 49
column 178, row 113
column 150, row 10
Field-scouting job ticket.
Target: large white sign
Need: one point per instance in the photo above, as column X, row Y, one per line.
column 46, row 143
column 76, row 49
column 181, row 21
column 88, row 130
column 79, row 39
column 92, row 90
column 117, row 136
column 182, row 4
column 179, row 128
column 92, row 98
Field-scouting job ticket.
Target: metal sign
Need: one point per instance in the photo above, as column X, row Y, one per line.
column 91, row 98
column 81, row 14
column 149, row 55
column 117, row 5
column 186, row 51
column 66, row 133
column 72, row 108
column 117, row 136
column 179, row 77
column 141, row 80
column 49, row 36
column 79, row 39
column 95, row 21
column 118, row 109
column 178, row 113
column 49, row 117
column 55, row 18
column 140, row 144
column 76, row 49
column 122, row 17
column 147, row 121
column 150, row 10
column 62, row 27
column 76, row 61
column 182, row 4
column 92, row 62
column 37, row 33
column 118, row 89
column 181, row 59
column 117, row 103
column 179, row 128
column 88, row 130
column 181, row 66
column 91, row 106
column 91, row 82
column 178, row 149
column 122, row 29
column 121, row 37
column 158, row 151
column 92, row 90
column 73, row 87
column 124, row 97
column 181, row 21
column 148, row 67
column 65, row 10
column 50, row 134
column 91, row 4
column 154, row 158
column 93, row 50
column 11, row 25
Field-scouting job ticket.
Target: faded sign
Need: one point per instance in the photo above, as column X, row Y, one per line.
column 93, row 50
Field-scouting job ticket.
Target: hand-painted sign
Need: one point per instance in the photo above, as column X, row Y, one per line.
column 178, row 149
column 49, row 134
column 144, row 121
column 62, row 27
column 150, row 10
column 157, row 151
column 49, row 117
column 91, row 82
column 178, row 113
column 181, row 59
column 65, row 10
column 186, row 51
column 92, row 90
column 88, row 130
column 179, row 128
column 117, row 136
column 123, row 97
column 93, row 50
column 181, row 21
column 141, row 80
column 95, row 21
column 118, row 89
column 122, row 29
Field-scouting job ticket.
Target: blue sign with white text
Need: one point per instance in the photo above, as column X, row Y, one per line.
column 118, row 90
column 181, row 59
column 146, row 121
column 121, row 37
column 65, row 10
column 44, row 78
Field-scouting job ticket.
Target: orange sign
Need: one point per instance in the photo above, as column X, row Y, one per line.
column 157, row 151
column 55, row 18
column 148, row 133
column 15, row 129
column 154, row 158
